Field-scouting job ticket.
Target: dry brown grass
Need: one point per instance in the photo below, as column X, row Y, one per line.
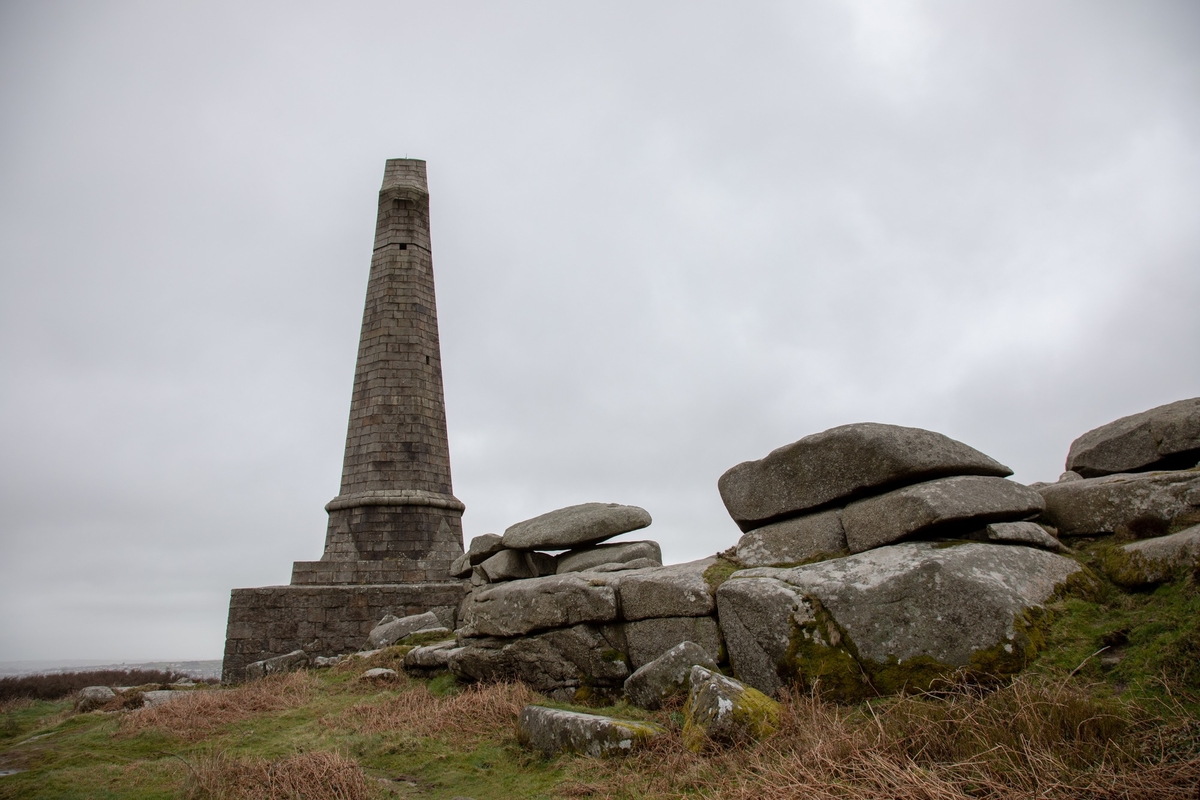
column 1031, row 739
column 15, row 704
column 477, row 712
column 202, row 712
column 312, row 776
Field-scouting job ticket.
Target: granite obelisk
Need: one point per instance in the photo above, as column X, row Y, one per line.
column 395, row 519
column 395, row 526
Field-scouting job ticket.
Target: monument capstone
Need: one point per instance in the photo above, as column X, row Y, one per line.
column 395, row 526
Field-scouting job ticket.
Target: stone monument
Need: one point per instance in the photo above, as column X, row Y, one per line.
column 395, row 526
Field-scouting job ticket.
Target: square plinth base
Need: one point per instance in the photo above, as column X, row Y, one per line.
column 322, row 620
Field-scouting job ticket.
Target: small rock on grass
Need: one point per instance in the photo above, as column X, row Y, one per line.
column 158, row 697
column 380, row 674
column 288, row 662
column 552, row 731
column 90, row 698
column 722, row 710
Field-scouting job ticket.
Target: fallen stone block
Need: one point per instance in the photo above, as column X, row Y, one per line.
column 430, row 658
column 90, row 698
column 587, row 558
column 725, row 711
column 288, row 662
column 667, row 675
column 392, row 629
column 794, row 540
column 575, row 526
column 946, row 504
column 551, row 731
column 1136, row 506
column 843, row 464
column 1155, row 560
column 1163, row 438
column 675, row 591
column 892, row 619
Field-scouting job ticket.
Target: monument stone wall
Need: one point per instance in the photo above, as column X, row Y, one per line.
column 395, row 527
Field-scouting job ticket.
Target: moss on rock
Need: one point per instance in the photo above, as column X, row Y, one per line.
column 725, row 711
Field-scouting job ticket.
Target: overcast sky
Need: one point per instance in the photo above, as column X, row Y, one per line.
column 667, row 238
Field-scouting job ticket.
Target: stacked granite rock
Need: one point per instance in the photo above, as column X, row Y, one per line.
column 1135, row 478
column 576, row 530
column 603, row 612
column 858, row 487
column 905, row 555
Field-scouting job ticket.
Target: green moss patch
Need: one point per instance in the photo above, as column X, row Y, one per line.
column 719, row 572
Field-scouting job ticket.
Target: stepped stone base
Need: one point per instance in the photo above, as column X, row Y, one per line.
column 322, row 620
column 360, row 573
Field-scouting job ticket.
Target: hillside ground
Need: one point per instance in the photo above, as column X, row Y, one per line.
column 1110, row 709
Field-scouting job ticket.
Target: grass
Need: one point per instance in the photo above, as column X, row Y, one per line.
column 1111, row 709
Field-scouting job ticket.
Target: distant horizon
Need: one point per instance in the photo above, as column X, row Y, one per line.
column 36, row 666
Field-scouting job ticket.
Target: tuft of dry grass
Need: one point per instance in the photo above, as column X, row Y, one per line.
column 477, row 712
column 11, row 704
column 312, row 776
column 202, row 712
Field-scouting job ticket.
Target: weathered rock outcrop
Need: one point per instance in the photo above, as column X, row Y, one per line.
column 557, row 662
column 888, row 619
column 392, row 629
column 617, row 620
column 946, row 505
column 1026, row 533
column 647, row 639
column 430, row 657
column 675, row 591
column 512, row 565
column 552, row 731
column 842, row 464
column 1155, row 560
column 90, row 698
column 482, row 548
column 666, row 675
column 1136, row 506
column 1166, row 437
column 725, row 711
column 794, row 540
column 585, row 558
column 574, row 526
column 554, row 601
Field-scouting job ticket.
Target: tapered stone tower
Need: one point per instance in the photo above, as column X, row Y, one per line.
column 395, row 526
column 395, row 519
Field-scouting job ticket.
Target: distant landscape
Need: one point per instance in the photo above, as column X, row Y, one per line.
column 198, row 670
